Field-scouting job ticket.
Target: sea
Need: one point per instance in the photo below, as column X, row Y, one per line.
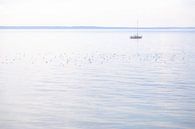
column 97, row 79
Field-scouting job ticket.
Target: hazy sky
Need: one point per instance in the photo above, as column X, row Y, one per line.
column 98, row 12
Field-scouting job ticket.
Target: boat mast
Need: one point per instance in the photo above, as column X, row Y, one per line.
column 137, row 27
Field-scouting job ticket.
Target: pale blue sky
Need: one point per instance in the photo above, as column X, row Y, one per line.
column 98, row 12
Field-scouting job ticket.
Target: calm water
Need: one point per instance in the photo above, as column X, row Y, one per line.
column 99, row 79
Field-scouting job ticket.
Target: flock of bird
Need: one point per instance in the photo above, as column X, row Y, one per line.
column 95, row 58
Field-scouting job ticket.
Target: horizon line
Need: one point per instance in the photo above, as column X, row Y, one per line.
column 89, row 27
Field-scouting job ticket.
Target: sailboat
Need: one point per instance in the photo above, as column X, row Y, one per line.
column 136, row 36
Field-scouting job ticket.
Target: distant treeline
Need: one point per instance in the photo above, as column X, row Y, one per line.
column 87, row 27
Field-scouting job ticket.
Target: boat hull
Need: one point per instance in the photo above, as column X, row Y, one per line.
column 135, row 37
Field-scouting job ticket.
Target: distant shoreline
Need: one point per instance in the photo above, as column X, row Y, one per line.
column 87, row 27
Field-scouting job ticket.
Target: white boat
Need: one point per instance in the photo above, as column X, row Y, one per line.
column 136, row 36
